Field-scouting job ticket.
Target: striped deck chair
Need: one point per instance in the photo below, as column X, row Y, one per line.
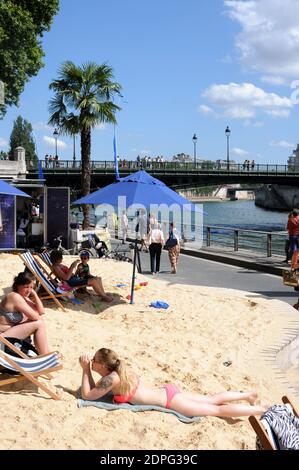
column 266, row 437
column 29, row 369
column 46, row 264
column 45, row 256
column 41, row 277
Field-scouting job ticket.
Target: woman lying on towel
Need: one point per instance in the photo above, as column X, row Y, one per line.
column 21, row 313
column 67, row 274
column 125, row 386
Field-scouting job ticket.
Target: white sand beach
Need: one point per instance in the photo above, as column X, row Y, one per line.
column 186, row 344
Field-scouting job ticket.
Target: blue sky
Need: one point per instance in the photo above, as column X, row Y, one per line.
column 186, row 66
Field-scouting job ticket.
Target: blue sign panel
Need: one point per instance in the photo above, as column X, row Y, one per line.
column 7, row 221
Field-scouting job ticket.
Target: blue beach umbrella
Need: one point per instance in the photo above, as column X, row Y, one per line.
column 6, row 188
column 138, row 188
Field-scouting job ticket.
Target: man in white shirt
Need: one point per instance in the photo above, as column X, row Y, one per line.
column 156, row 242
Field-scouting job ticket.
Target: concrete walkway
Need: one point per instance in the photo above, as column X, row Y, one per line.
column 219, row 267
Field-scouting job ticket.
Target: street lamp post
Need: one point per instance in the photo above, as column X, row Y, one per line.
column 227, row 133
column 194, row 138
column 55, row 134
column 74, row 150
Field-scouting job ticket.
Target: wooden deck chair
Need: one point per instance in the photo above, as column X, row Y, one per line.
column 46, row 258
column 29, row 368
column 44, row 262
column 264, row 432
column 40, row 276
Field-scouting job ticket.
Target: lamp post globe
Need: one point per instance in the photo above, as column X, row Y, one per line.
column 227, row 133
column 194, row 138
column 55, row 134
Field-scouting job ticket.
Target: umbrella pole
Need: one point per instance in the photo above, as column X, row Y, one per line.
column 134, row 271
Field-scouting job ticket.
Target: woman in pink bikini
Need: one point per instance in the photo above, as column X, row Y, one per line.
column 125, row 386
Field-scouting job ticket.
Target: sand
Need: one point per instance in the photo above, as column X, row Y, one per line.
column 186, row 344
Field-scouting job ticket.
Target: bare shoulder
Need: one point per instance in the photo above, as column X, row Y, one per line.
column 108, row 382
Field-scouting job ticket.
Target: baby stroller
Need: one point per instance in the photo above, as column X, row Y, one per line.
column 95, row 247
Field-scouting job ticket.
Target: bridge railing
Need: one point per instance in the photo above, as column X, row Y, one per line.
column 71, row 166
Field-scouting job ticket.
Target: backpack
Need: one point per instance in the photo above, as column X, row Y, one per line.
column 171, row 241
column 23, row 345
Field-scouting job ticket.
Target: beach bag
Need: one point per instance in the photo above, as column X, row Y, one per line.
column 290, row 278
column 171, row 241
column 23, row 345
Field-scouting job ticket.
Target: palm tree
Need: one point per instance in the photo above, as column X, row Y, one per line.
column 83, row 98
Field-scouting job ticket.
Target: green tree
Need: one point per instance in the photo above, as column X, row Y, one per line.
column 21, row 135
column 22, row 24
column 83, row 99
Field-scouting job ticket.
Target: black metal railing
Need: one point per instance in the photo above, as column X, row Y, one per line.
column 71, row 166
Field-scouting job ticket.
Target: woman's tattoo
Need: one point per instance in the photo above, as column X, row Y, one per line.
column 104, row 383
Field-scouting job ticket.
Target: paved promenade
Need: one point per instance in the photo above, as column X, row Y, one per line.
column 219, row 267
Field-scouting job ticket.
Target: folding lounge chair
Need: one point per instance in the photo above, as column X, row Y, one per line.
column 29, row 369
column 265, row 433
column 44, row 262
column 46, row 258
column 40, row 276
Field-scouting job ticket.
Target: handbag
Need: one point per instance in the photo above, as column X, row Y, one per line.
column 171, row 241
column 290, row 278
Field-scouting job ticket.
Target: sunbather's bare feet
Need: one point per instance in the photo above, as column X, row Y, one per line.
column 252, row 397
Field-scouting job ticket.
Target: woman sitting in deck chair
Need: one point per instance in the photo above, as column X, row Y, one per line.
column 67, row 274
column 21, row 316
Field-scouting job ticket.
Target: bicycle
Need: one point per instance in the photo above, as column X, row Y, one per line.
column 57, row 245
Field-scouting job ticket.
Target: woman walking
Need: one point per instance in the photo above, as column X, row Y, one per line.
column 173, row 246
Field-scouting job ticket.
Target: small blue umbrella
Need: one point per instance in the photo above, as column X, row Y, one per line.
column 6, row 188
column 137, row 188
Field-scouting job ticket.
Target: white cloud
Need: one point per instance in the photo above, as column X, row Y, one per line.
column 3, row 142
column 239, row 152
column 205, row 109
column 41, row 126
column 283, row 144
column 145, row 152
column 278, row 112
column 51, row 142
column 273, row 80
column 269, row 39
column 244, row 100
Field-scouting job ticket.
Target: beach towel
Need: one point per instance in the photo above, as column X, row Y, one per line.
column 159, row 304
column 106, row 403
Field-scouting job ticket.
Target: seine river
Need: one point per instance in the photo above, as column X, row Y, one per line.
column 245, row 215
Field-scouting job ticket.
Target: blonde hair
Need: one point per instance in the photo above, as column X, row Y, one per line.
column 109, row 359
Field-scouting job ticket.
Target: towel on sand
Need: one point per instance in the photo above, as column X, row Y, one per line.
column 106, row 403
column 159, row 304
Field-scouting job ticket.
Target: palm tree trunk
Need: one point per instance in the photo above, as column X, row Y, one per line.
column 85, row 180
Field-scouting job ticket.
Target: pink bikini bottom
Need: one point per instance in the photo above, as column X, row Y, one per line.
column 171, row 391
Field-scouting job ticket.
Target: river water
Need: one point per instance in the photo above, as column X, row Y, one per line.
column 244, row 214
